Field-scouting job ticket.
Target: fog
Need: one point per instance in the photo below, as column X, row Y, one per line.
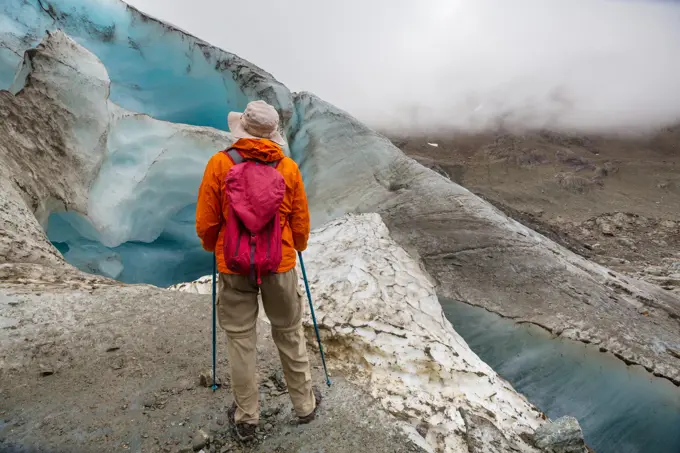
column 590, row 65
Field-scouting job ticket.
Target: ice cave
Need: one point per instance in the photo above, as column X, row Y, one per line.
column 149, row 116
column 140, row 207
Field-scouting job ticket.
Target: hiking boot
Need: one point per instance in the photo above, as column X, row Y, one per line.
column 317, row 398
column 245, row 432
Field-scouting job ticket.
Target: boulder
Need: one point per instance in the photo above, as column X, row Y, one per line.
column 563, row 435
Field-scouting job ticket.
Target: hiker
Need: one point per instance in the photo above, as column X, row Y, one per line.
column 249, row 185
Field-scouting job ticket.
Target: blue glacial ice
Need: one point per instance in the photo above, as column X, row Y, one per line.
column 146, row 60
column 144, row 172
column 135, row 222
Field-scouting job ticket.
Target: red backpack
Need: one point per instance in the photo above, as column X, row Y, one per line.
column 252, row 236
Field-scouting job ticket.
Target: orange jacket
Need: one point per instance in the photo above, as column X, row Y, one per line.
column 213, row 205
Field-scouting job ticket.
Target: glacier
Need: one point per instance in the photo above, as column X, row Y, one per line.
column 110, row 117
column 139, row 60
column 475, row 253
column 147, row 59
column 141, row 180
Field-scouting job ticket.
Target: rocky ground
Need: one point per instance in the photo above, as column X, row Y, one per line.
column 614, row 200
column 88, row 367
column 88, row 364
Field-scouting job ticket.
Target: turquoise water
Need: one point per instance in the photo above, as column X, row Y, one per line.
column 621, row 409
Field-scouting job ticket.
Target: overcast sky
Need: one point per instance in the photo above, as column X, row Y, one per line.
column 433, row 64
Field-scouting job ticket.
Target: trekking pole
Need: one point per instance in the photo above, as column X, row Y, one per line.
column 316, row 328
column 214, row 324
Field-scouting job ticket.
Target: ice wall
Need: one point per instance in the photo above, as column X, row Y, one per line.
column 141, row 175
column 129, row 184
column 154, row 67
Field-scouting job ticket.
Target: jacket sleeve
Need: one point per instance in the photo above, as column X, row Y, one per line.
column 209, row 207
column 299, row 219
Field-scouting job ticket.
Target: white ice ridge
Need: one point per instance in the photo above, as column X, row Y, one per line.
column 382, row 324
column 202, row 285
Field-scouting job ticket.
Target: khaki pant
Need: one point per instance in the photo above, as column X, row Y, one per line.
column 237, row 309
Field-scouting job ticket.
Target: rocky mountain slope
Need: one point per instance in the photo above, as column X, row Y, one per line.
column 614, row 200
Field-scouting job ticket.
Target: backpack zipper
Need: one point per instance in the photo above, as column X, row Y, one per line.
column 238, row 245
column 253, row 243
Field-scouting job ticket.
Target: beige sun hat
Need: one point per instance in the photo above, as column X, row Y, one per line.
column 259, row 120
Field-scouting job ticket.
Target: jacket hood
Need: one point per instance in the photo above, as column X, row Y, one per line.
column 259, row 149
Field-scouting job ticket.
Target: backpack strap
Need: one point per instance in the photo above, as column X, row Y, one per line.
column 235, row 156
